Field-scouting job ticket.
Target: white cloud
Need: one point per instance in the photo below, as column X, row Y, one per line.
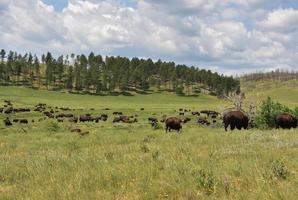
column 281, row 20
column 231, row 35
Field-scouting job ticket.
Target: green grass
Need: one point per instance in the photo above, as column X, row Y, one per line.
column 43, row 160
column 285, row 92
column 164, row 101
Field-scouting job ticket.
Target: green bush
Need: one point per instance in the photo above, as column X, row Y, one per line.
column 179, row 90
column 279, row 169
column 206, row 180
column 53, row 126
column 267, row 111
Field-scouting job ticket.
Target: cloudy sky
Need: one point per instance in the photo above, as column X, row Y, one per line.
column 228, row 36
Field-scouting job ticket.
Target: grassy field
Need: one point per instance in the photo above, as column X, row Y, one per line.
column 44, row 160
column 285, row 92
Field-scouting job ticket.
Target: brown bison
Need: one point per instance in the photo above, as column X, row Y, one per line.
column 7, row 122
column 23, row 121
column 153, row 121
column 173, row 123
column 8, row 110
column 235, row 119
column 285, row 120
column 86, row 118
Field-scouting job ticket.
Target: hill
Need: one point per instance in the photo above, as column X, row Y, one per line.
column 155, row 101
column 285, row 92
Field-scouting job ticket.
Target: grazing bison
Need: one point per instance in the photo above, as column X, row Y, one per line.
column 153, row 121
column 76, row 130
column 285, row 120
column 86, row 118
column 104, row 117
column 203, row 121
column 235, row 119
column 185, row 120
column 7, row 122
column 117, row 113
column 8, row 110
column 195, row 113
column 23, row 121
column 210, row 112
column 73, row 119
column 173, row 123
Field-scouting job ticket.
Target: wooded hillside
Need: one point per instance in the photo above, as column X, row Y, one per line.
column 95, row 74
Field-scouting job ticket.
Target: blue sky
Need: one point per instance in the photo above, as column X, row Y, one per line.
column 231, row 36
column 58, row 4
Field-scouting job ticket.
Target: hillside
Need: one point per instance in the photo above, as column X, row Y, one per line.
column 285, row 92
column 155, row 101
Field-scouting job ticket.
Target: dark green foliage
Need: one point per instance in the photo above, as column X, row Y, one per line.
column 267, row 111
column 179, row 90
column 91, row 74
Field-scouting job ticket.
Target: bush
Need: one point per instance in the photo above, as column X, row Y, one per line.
column 206, row 180
column 179, row 90
column 279, row 169
column 268, row 110
column 53, row 126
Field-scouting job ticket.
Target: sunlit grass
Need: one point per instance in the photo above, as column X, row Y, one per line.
column 136, row 162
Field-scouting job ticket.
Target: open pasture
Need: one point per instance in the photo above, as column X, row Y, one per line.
column 45, row 160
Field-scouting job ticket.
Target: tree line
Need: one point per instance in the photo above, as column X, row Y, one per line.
column 278, row 74
column 95, row 74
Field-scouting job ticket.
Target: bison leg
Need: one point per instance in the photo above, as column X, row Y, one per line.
column 226, row 126
column 232, row 126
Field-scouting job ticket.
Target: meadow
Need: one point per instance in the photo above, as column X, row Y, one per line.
column 44, row 160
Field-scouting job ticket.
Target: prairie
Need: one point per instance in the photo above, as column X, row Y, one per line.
column 44, row 160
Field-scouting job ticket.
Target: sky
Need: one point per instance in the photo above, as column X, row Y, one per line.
column 227, row 36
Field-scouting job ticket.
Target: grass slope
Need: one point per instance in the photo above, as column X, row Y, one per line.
column 155, row 101
column 43, row 160
column 285, row 92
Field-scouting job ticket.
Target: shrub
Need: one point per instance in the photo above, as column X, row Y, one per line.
column 179, row 90
column 206, row 180
column 279, row 169
column 53, row 126
column 268, row 110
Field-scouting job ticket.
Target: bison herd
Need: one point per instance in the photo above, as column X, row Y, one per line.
column 234, row 119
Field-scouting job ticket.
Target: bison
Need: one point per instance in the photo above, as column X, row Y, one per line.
column 285, row 121
column 8, row 110
column 185, row 120
column 235, row 119
column 23, row 121
column 173, row 123
column 153, row 121
column 86, row 118
column 7, row 122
